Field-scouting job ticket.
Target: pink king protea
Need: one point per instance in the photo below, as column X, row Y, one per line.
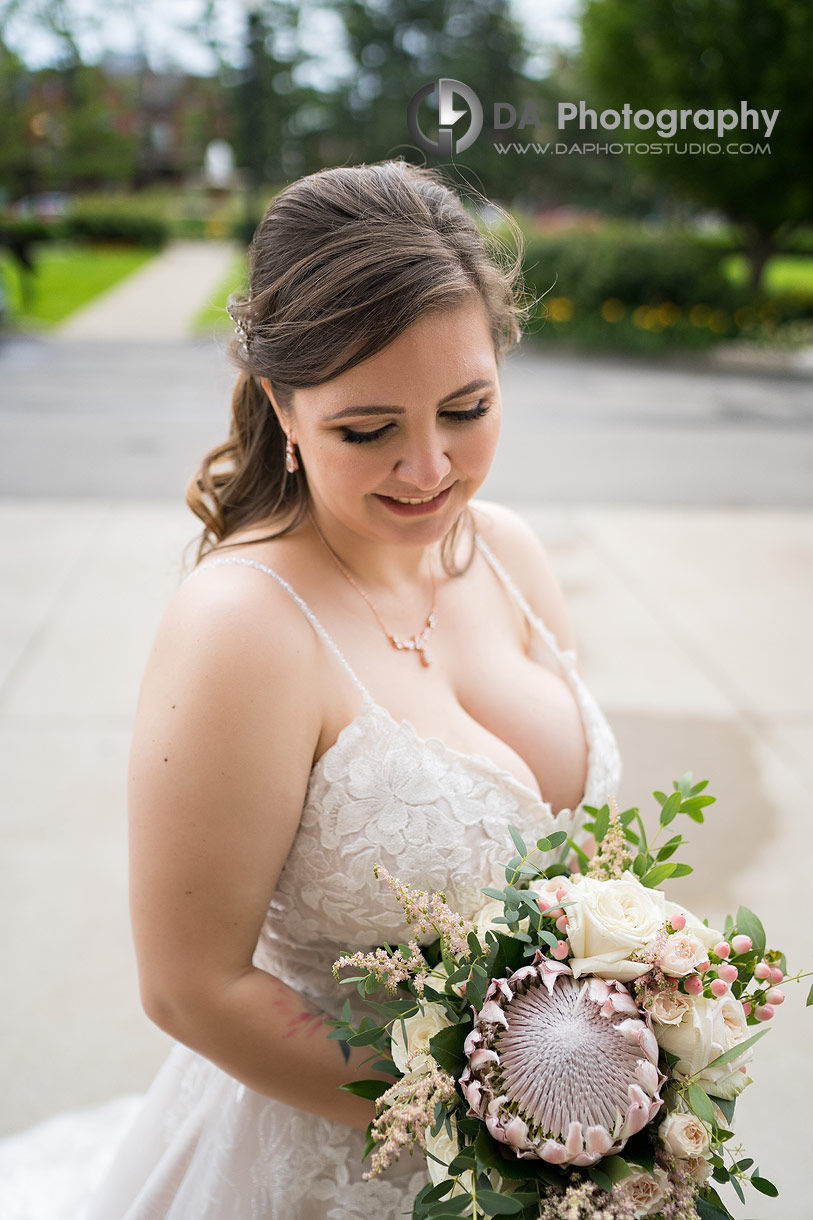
column 561, row 1070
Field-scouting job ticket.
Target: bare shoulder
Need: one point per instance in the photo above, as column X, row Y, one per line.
column 525, row 558
column 233, row 645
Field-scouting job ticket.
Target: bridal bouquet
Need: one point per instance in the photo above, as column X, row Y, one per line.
column 577, row 1049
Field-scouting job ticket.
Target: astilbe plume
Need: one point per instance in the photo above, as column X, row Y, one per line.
column 390, row 967
column 406, row 1110
column 681, row 1197
column 582, row 1199
column 612, row 856
column 429, row 913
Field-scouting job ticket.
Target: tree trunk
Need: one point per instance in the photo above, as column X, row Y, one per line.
column 760, row 249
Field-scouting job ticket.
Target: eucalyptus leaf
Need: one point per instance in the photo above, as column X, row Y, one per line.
column 764, row 1187
column 518, row 841
column 736, row 1051
column 670, row 809
column 601, row 1179
column 493, row 1204
column 700, row 1103
column 615, row 1167
column 366, row 1088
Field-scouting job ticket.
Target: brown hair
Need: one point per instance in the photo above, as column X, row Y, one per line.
column 342, row 263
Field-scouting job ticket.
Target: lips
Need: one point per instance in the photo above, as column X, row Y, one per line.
column 413, row 510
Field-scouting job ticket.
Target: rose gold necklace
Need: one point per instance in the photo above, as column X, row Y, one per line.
column 414, row 643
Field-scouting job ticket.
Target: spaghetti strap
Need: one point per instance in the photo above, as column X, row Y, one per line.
column 303, row 606
column 565, row 654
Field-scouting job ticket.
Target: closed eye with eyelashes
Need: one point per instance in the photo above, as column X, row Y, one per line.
column 461, row 417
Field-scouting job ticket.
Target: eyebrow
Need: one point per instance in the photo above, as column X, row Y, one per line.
column 469, row 388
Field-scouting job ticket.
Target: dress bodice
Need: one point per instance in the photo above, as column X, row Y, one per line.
column 436, row 818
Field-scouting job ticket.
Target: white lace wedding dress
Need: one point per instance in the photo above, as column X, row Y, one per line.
column 203, row 1146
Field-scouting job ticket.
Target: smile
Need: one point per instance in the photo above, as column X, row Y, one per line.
column 414, row 504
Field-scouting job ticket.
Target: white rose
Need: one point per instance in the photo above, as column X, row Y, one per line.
column 700, row 1169
column 609, row 921
column 684, row 1136
column 645, row 1191
column 419, row 1029
column 709, row 937
column 709, row 1028
column 483, row 920
column 438, row 977
column 669, row 1007
column 445, row 1149
column 682, row 954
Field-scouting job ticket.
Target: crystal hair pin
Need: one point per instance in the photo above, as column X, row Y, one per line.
column 240, row 328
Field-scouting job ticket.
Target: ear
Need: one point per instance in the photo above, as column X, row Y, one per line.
column 266, row 385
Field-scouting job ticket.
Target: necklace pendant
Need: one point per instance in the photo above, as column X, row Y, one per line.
column 426, row 659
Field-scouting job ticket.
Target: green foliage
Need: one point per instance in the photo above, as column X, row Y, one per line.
column 66, row 278
column 712, row 54
column 101, row 221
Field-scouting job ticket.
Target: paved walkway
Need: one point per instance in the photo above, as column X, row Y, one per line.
column 160, row 301
column 694, row 630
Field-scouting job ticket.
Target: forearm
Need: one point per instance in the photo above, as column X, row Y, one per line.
column 274, row 1040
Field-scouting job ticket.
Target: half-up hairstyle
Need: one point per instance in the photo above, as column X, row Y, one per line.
column 343, row 262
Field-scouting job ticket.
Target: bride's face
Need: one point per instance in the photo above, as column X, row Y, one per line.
column 418, row 421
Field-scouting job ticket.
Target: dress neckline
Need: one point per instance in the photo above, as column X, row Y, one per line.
column 566, row 660
column 501, row 775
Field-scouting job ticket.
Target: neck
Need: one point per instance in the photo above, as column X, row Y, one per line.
column 378, row 567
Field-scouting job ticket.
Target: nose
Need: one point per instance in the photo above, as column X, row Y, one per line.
column 424, row 465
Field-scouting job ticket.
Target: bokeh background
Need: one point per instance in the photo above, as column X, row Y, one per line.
column 658, row 427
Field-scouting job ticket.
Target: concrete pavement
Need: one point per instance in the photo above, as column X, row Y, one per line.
column 157, row 303
column 695, row 638
column 692, row 607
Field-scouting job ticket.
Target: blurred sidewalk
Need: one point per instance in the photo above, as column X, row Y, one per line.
column 160, row 301
column 694, row 630
column 693, row 623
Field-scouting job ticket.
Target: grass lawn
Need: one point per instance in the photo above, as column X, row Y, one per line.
column 784, row 273
column 214, row 315
column 66, row 278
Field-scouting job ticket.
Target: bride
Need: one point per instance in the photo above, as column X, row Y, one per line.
column 367, row 665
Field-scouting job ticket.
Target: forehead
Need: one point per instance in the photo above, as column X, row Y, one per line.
column 442, row 351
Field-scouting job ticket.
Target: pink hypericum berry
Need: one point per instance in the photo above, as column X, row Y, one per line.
column 561, row 923
column 543, row 906
column 719, row 988
column 727, row 972
column 678, row 922
column 762, row 971
column 775, row 997
column 703, row 966
column 776, row 975
column 746, row 1007
column 722, row 949
column 561, row 893
column 560, row 951
column 742, row 943
column 763, row 1012
column 693, row 984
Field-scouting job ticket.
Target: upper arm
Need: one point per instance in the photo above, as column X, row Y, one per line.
column 526, row 560
column 226, row 727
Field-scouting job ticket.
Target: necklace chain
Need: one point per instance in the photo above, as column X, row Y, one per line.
column 414, row 643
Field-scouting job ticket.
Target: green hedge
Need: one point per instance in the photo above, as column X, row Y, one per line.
column 633, row 290
column 98, row 224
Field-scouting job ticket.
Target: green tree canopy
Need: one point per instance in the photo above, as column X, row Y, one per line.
column 715, row 54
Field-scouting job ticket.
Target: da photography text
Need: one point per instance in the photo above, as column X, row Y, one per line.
column 459, row 120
